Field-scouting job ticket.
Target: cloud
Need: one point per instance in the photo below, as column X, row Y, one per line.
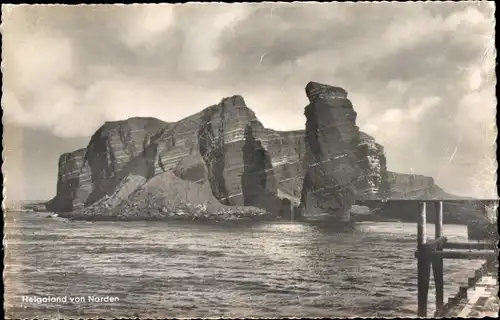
column 420, row 75
column 146, row 23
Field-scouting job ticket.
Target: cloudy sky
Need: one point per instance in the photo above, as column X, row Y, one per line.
column 420, row 75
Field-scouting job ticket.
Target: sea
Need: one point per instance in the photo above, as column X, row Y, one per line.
column 56, row 268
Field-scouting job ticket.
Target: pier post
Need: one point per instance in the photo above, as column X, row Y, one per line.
column 437, row 261
column 421, row 232
column 423, row 263
column 439, row 219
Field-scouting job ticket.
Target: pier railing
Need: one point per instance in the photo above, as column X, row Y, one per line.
column 432, row 253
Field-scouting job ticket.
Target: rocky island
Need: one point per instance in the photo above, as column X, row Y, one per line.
column 222, row 163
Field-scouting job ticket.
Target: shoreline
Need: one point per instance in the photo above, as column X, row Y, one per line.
column 164, row 218
column 206, row 219
column 73, row 216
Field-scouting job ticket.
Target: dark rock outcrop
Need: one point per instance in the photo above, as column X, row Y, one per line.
column 258, row 181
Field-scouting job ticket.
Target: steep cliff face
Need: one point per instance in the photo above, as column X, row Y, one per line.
column 334, row 175
column 117, row 150
column 74, row 182
column 120, row 148
column 238, row 166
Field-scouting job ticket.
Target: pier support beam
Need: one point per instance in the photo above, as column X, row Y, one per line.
column 424, row 274
column 437, row 270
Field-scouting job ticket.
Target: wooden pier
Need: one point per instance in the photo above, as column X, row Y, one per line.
column 431, row 253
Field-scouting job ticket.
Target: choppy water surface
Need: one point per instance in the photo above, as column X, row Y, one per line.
column 182, row 269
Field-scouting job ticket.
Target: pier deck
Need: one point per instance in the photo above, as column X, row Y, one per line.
column 482, row 300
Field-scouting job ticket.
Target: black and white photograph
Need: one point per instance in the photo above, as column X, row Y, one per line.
column 250, row 160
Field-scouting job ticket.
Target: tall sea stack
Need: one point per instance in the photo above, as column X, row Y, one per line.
column 334, row 176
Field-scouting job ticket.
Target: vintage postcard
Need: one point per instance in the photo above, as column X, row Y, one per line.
column 250, row 160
